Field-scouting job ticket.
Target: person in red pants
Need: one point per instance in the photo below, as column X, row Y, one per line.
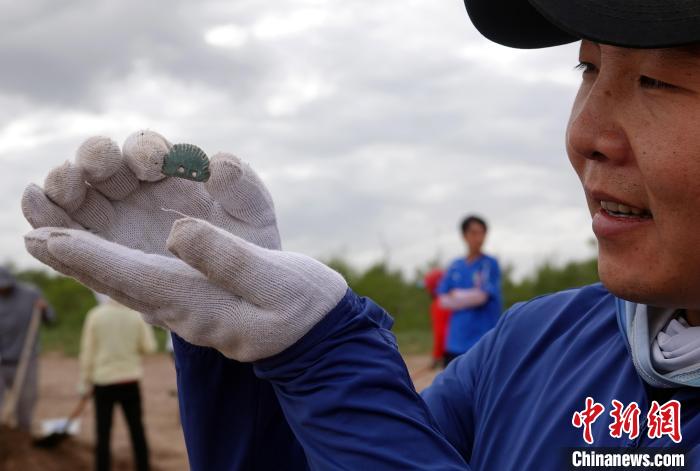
column 439, row 315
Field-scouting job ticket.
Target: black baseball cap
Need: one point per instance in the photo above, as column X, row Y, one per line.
column 530, row 24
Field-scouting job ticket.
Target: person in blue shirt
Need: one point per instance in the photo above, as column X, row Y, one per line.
column 471, row 289
column 281, row 366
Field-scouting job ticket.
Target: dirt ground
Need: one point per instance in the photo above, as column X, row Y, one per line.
column 57, row 397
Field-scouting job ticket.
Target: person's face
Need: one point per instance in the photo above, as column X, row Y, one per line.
column 634, row 140
column 474, row 237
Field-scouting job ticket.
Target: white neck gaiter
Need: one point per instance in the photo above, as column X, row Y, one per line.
column 676, row 347
column 665, row 352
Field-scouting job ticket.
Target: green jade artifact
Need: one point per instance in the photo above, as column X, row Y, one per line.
column 186, row 161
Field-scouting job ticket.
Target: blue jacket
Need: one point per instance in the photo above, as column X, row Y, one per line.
column 341, row 397
column 467, row 326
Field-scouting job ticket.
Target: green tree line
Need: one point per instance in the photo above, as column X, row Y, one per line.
column 402, row 296
column 408, row 302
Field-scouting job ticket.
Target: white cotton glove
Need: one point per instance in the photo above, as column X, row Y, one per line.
column 174, row 249
column 460, row 298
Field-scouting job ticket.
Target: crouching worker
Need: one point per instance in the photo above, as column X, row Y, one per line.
column 19, row 303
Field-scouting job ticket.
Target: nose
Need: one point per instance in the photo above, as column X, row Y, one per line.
column 595, row 130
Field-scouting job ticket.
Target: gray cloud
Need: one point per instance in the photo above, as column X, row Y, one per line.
column 375, row 125
column 62, row 52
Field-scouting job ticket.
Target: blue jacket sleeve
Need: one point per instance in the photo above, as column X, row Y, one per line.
column 347, row 395
column 452, row 397
column 451, row 400
column 445, row 284
column 492, row 280
column 231, row 419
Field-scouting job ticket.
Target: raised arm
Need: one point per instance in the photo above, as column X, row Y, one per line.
column 231, row 419
column 348, row 397
column 197, row 276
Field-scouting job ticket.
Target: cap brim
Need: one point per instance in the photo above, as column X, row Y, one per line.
column 530, row 24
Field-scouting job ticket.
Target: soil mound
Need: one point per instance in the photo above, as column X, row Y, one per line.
column 18, row 454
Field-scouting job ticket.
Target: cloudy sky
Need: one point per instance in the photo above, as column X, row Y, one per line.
column 377, row 124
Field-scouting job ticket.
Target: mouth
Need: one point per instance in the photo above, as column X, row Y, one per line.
column 622, row 210
column 614, row 218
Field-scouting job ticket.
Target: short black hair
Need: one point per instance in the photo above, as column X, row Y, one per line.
column 467, row 221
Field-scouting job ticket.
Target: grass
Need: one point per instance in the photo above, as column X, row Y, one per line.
column 406, row 302
column 65, row 338
column 413, row 342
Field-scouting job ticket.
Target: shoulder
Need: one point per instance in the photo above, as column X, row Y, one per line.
column 545, row 329
column 135, row 315
column 27, row 290
column 456, row 264
column 119, row 311
column 95, row 312
column 134, row 318
column 579, row 298
column 570, row 309
column 490, row 259
column 118, row 308
column 455, row 270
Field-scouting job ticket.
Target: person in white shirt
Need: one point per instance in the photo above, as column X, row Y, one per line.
column 114, row 339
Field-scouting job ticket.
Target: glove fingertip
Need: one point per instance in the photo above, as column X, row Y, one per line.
column 34, row 244
column 225, row 169
column 144, row 152
column 100, row 158
column 37, row 244
column 182, row 232
column 39, row 211
column 56, row 243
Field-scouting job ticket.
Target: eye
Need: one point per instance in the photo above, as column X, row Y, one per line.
column 585, row 67
column 648, row 82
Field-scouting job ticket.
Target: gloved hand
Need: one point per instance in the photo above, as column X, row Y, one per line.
column 174, row 249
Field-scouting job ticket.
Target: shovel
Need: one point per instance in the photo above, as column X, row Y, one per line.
column 9, row 408
column 57, row 436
